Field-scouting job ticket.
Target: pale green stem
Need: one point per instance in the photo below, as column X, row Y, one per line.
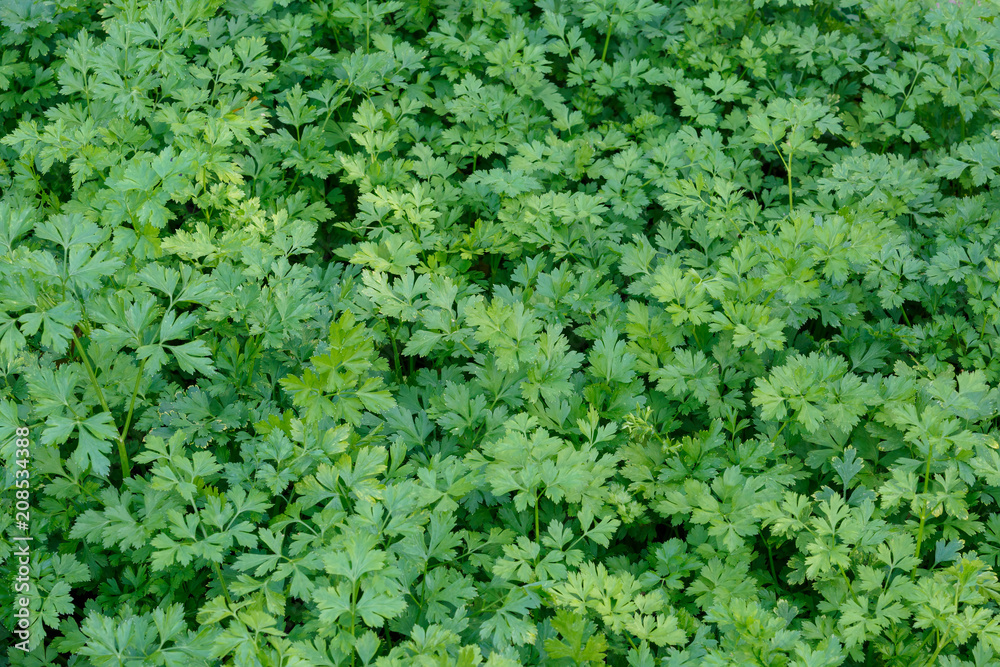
column 222, row 583
column 923, row 510
column 537, row 494
column 122, row 454
column 128, row 419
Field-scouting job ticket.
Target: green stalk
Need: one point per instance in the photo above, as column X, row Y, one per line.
column 783, row 425
column 923, row 510
column 122, row 454
column 128, row 420
column 942, row 642
column 248, row 381
column 536, row 516
column 791, row 207
column 222, row 583
column 90, row 372
column 770, row 560
column 850, row 587
column 788, row 170
column 395, row 352
column 215, row 566
column 607, row 40
column 354, row 617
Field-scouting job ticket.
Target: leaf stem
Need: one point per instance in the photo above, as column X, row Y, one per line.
column 850, row 587
column 770, row 559
column 90, row 372
column 923, row 509
column 783, row 425
column 791, row 206
column 906, row 317
column 788, row 170
column 395, row 351
column 354, row 619
column 248, row 380
column 215, row 566
column 222, row 583
column 942, row 642
column 607, row 40
column 122, row 454
column 537, row 494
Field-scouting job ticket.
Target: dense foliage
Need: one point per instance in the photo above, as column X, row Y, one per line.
column 502, row 332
